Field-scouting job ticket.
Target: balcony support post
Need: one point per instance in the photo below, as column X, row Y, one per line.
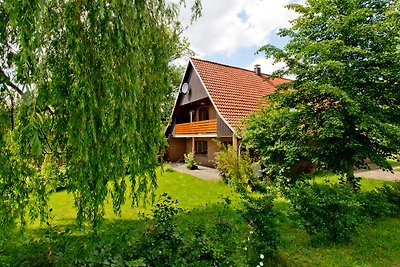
column 235, row 142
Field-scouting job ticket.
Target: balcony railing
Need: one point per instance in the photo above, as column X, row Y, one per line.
column 207, row 126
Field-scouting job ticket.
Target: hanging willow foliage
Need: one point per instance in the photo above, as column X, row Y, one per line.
column 97, row 73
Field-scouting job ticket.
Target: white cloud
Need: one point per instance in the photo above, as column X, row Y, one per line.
column 228, row 25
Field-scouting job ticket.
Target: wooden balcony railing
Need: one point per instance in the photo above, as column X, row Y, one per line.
column 207, row 126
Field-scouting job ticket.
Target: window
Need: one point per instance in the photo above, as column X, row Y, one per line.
column 203, row 114
column 201, row 147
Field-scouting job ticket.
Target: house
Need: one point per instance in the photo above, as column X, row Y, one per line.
column 213, row 99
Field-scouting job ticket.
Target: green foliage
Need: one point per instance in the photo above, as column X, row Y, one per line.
column 212, row 234
column 213, row 237
column 190, row 162
column 21, row 189
column 392, row 193
column 262, row 219
column 84, row 82
column 272, row 135
column 161, row 241
column 234, row 170
column 343, row 106
column 374, row 205
column 210, row 242
column 328, row 212
column 168, row 168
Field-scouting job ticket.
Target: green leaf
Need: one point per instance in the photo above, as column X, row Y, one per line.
column 36, row 145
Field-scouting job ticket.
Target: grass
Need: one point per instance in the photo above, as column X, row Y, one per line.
column 376, row 245
column 190, row 192
column 366, row 184
column 393, row 163
column 200, row 199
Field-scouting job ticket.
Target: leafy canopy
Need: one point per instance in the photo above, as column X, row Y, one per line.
column 81, row 84
column 344, row 105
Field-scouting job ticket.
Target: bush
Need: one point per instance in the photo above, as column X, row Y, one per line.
column 263, row 236
column 214, row 238
column 160, row 243
column 328, row 212
column 190, row 162
column 392, row 193
column 210, row 236
column 235, row 171
column 210, row 241
column 373, row 205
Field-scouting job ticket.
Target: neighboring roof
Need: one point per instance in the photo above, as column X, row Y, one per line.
column 235, row 91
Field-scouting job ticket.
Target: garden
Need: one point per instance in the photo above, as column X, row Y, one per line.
column 86, row 90
column 205, row 223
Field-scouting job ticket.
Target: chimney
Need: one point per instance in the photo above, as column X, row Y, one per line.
column 257, row 69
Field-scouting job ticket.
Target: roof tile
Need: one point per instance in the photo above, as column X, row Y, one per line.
column 235, row 91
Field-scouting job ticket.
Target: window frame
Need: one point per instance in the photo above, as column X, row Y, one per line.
column 205, row 112
column 201, row 147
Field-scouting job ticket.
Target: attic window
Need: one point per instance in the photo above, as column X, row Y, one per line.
column 203, row 114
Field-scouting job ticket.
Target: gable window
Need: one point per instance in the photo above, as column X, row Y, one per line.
column 201, row 147
column 203, row 114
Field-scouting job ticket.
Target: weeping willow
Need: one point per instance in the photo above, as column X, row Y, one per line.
column 92, row 76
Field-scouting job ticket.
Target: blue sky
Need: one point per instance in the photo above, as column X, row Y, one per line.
column 231, row 31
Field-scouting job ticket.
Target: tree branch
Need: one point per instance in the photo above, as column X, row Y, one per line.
column 6, row 80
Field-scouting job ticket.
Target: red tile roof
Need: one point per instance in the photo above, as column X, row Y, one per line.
column 235, row 91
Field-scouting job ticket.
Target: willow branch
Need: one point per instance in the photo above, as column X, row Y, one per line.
column 6, row 80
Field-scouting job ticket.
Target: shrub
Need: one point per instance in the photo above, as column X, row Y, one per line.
column 190, row 162
column 328, row 212
column 373, row 205
column 263, row 235
column 392, row 192
column 210, row 241
column 160, row 243
column 215, row 239
column 235, row 171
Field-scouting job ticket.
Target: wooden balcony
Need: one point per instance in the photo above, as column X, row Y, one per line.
column 198, row 127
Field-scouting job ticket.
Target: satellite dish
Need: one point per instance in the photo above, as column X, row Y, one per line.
column 185, row 88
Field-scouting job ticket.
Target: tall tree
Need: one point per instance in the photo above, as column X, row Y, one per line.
column 344, row 105
column 91, row 76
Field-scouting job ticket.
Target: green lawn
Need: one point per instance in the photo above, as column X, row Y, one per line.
column 393, row 163
column 376, row 245
column 190, row 192
column 366, row 184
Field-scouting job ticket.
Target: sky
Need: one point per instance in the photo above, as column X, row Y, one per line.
column 231, row 31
